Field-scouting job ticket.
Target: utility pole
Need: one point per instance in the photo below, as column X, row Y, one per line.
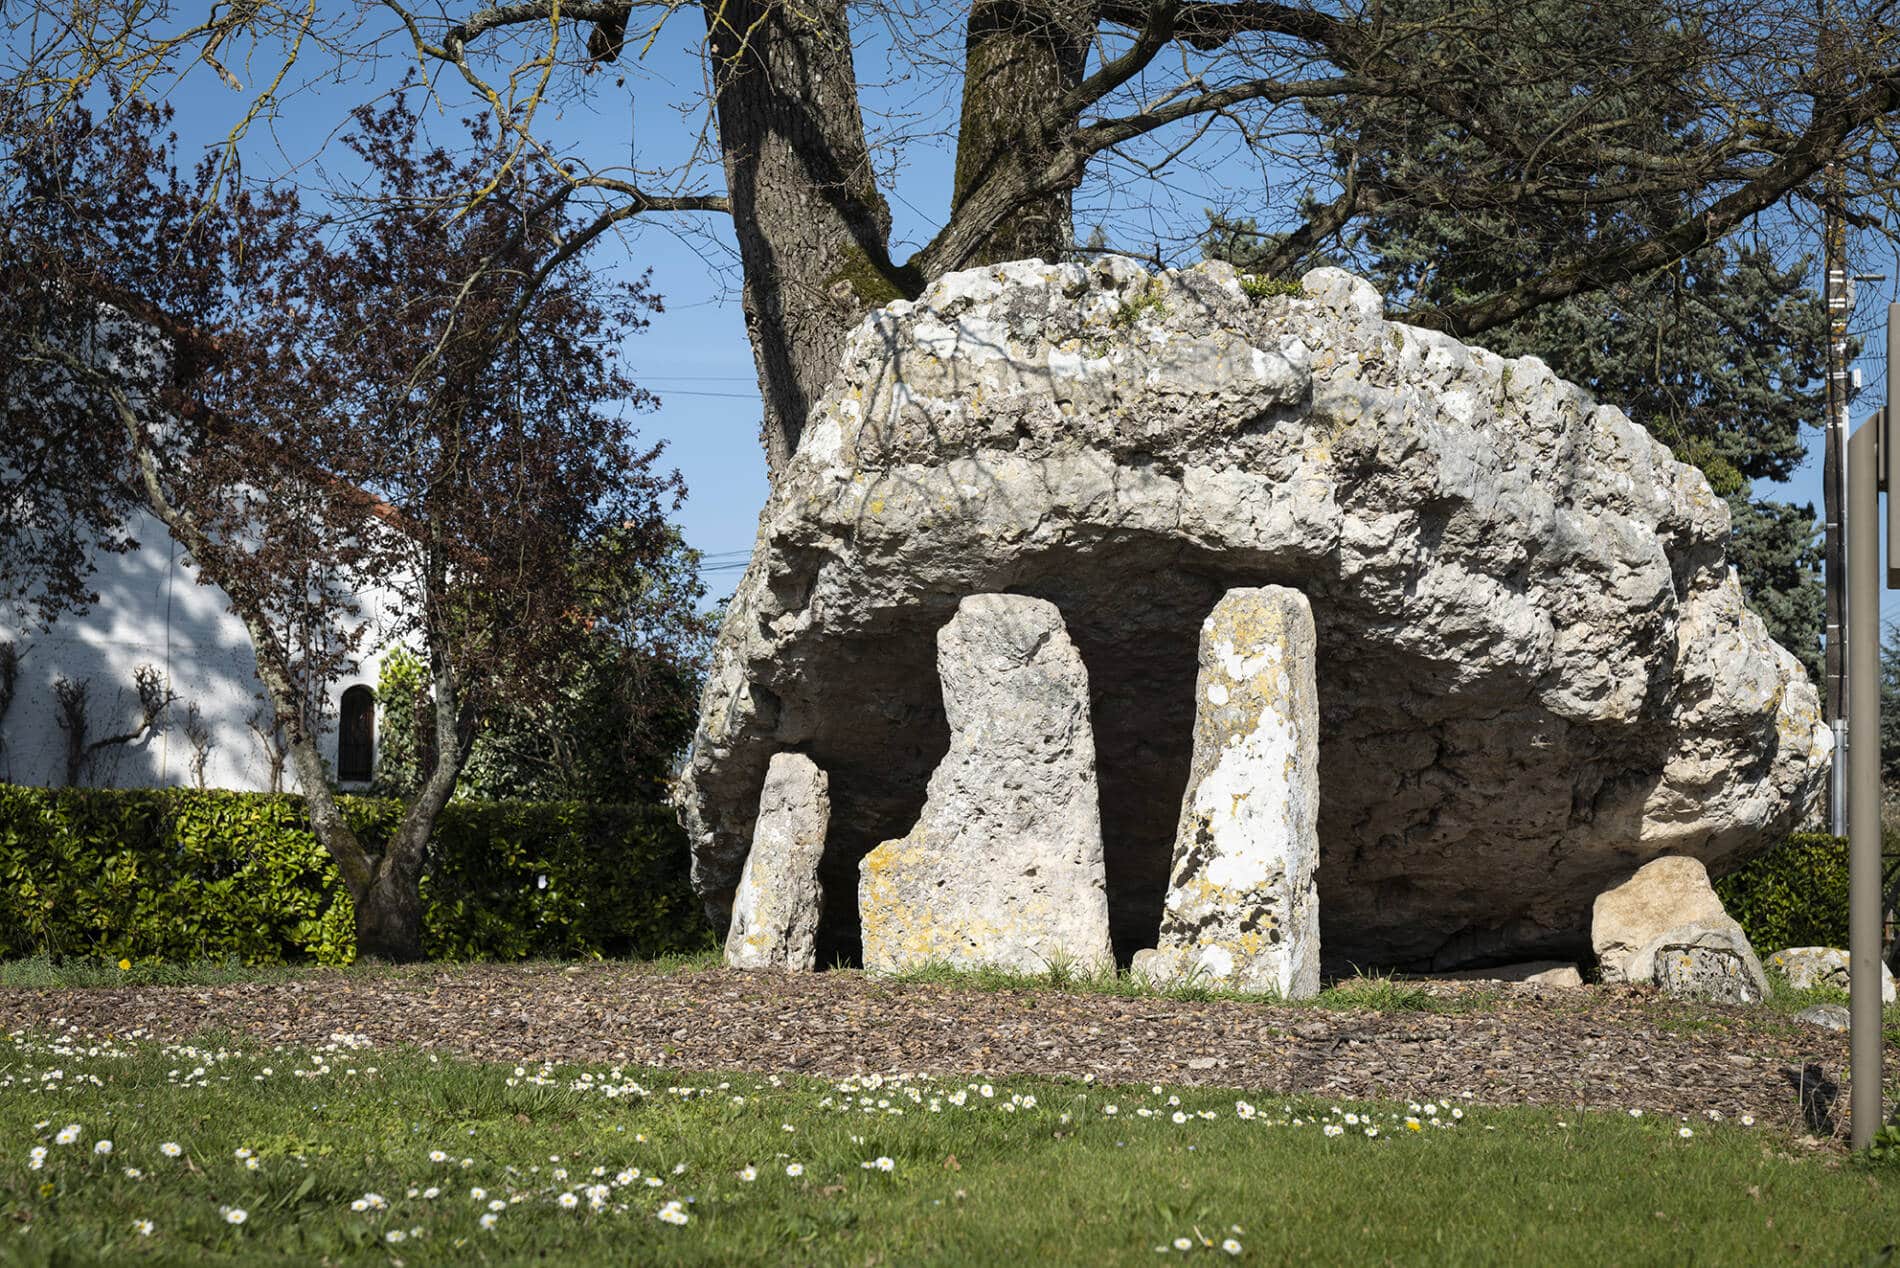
column 1873, row 468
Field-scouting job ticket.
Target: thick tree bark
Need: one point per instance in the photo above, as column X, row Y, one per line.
column 1022, row 56
column 814, row 233
column 389, row 914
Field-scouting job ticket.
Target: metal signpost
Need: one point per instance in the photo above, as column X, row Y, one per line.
column 1873, row 468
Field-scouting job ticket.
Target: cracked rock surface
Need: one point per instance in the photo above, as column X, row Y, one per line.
column 1535, row 670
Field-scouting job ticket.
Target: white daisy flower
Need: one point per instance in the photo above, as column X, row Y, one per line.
column 568, row 1201
column 103, row 1148
column 234, row 1214
column 67, row 1134
column 170, row 1149
column 795, row 1169
column 143, row 1227
column 488, row 1219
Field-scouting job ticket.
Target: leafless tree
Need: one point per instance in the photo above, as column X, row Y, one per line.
column 1114, row 103
column 83, row 753
column 198, row 735
column 263, row 726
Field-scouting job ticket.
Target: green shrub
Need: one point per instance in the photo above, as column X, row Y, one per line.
column 179, row 875
column 1793, row 896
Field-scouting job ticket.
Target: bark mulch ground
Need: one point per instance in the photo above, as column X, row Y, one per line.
column 1603, row 1048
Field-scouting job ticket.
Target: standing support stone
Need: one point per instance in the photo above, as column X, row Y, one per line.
column 1004, row 868
column 775, row 911
column 1242, row 910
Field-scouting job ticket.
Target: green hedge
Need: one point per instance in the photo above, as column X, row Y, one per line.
column 1793, row 896
column 178, row 875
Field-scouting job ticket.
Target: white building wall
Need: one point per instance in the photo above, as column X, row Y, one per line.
column 152, row 611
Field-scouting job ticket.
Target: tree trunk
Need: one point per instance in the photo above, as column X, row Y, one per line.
column 1022, row 55
column 389, row 914
column 814, row 233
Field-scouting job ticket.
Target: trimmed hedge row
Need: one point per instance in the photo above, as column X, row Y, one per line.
column 176, row 874
column 1795, row 895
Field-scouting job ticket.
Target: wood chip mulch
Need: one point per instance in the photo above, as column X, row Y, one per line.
column 1594, row 1047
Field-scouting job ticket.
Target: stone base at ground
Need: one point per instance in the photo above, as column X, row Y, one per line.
column 775, row 910
column 1004, row 868
column 1809, row 967
column 1242, row 906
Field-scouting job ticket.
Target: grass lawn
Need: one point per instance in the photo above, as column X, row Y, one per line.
column 355, row 1154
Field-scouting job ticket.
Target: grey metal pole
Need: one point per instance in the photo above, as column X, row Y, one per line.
column 1863, row 774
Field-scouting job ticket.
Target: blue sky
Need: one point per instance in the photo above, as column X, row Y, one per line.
column 695, row 356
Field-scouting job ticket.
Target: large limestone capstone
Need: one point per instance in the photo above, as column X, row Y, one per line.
column 775, row 911
column 1535, row 668
column 1242, row 907
column 1004, row 867
column 1665, row 926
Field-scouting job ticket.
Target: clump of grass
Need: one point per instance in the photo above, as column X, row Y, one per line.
column 1381, row 993
column 42, row 972
column 1260, row 286
column 1132, row 311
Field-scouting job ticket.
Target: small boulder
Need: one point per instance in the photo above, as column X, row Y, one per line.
column 1809, row 967
column 775, row 910
column 1242, row 907
column 1826, row 1016
column 1712, row 963
column 1004, row 868
column 1532, row 972
column 1664, row 925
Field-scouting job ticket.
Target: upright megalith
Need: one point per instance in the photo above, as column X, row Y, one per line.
column 1004, row 868
column 775, row 911
column 1242, row 907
